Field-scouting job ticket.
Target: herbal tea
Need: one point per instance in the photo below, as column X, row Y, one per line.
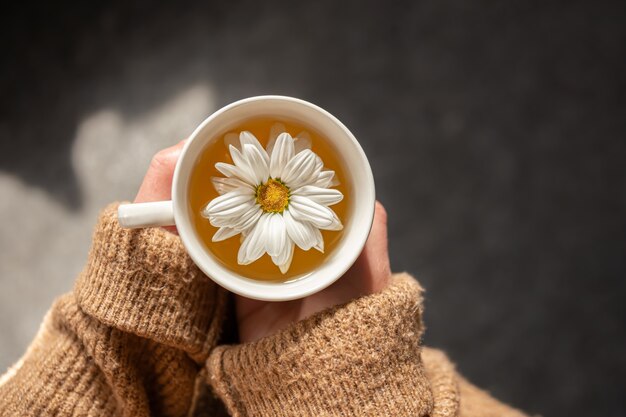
column 277, row 189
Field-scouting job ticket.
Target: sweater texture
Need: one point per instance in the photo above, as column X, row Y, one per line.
column 139, row 335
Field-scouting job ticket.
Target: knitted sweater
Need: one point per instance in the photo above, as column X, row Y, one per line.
column 139, row 336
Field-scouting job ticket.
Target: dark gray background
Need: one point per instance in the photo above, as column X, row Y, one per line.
column 495, row 131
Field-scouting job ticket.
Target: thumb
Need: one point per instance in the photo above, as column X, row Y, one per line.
column 371, row 272
column 375, row 256
column 157, row 183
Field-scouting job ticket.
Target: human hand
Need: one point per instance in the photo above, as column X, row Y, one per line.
column 370, row 273
column 157, row 183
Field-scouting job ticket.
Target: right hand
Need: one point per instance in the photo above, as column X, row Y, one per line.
column 371, row 273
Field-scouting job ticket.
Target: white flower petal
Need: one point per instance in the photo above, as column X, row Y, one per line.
column 284, row 261
column 241, row 161
column 243, row 251
column 275, row 130
column 253, row 246
column 247, row 219
column 229, row 204
column 302, row 234
column 231, row 171
column 225, row 185
column 224, row 233
column 282, row 153
column 307, row 210
column 258, row 238
column 302, row 141
column 256, row 162
column 319, row 164
column 324, row 179
column 276, row 240
column 248, row 225
column 300, row 170
column 247, row 138
column 335, row 225
column 319, row 241
column 220, row 221
column 232, row 139
column 325, row 196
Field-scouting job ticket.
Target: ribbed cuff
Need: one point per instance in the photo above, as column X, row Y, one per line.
column 361, row 358
column 443, row 383
column 142, row 281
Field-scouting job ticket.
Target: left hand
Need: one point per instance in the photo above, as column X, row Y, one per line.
column 157, row 183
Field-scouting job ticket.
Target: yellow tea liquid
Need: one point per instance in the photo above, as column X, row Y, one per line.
column 201, row 192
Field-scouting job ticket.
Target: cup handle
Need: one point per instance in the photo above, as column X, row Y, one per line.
column 158, row 213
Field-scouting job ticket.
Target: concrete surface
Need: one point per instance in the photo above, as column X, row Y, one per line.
column 495, row 131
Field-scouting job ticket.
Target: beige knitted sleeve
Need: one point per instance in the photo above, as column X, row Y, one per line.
column 130, row 338
column 358, row 359
column 363, row 358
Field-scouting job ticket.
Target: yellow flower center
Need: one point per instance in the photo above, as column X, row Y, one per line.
column 273, row 196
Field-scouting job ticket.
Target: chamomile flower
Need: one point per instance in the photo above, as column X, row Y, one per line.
column 275, row 198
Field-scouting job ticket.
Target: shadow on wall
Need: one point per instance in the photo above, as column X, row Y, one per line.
column 87, row 58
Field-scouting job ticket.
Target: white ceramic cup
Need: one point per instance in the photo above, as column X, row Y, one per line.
column 357, row 221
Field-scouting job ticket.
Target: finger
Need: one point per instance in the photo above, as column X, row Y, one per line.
column 376, row 251
column 369, row 274
column 157, row 184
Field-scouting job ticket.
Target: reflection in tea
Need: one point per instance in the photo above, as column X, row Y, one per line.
column 268, row 199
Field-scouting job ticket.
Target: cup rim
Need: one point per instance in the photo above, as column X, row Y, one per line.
column 315, row 281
